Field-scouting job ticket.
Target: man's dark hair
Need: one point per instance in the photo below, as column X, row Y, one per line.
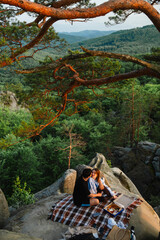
column 86, row 172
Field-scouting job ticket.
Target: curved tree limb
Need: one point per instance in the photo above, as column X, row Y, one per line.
column 95, row 82
column 119, row 77
column 53, row 65
column 123, row 57
column 73, row 85
column 62, row 3
column 101, row 10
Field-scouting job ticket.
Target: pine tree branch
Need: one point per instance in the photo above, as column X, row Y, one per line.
column 123, row 57
column 119, row 77
column 101, row 10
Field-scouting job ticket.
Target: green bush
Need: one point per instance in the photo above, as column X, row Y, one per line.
column 20, row 160
column 21, row 195
column 109, row 163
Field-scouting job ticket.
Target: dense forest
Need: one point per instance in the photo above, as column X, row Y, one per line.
column 120, row 114
column 132, row 41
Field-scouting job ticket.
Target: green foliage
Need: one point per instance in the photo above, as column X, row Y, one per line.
column 21, row 195
column 132, row 41
column 13, row 125
column 52, row 162
column 19, row 160
column 16, row 35
column 120, row 41
column 12, row 120
column 102, row 123
column 154, row 56
column 134, row 119
column 109, row 163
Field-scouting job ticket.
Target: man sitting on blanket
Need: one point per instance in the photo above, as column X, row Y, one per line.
column 81, row 193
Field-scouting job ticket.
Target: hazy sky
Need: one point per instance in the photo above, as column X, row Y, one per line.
column 136, row 20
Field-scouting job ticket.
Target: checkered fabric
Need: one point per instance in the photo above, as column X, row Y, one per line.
column 64, row 211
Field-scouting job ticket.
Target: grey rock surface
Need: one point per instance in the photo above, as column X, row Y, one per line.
column 4, row 210
column 142, row 165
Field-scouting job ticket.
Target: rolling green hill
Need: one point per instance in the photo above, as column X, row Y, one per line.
column 133, row 41
column 72, row 37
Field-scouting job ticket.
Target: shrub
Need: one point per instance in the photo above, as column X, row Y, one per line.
column 109, row 163
column 21, row 196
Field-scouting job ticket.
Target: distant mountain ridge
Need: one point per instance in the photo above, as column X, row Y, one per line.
column 72, row 37
column 132, row 41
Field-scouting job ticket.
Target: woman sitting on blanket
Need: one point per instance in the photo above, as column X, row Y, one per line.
column 97, row 184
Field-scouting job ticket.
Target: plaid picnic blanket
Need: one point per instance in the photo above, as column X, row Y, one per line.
column 64, row 211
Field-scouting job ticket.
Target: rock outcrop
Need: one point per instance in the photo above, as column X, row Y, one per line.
column 8, row 99
column 7, row 235
column 4, row 211
column 141, row 165
column 32, row 219
column 114, row 176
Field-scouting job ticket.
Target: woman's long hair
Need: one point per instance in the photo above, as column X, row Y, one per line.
column 97, row 172
column 98, row 176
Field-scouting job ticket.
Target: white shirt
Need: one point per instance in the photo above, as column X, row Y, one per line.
column 93, row 185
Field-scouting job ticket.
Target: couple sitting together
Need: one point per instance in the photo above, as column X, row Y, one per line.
column 89, row 188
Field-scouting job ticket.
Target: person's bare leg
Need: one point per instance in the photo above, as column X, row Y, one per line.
column 94, row 201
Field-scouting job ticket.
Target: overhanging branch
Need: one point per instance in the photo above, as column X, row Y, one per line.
column 117, row 78
column 54, row 64
column 101, row 10
column 123, row 57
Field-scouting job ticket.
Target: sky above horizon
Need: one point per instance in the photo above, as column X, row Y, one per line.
column 136, row 20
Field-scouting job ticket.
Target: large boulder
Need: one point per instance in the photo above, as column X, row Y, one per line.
column 4, row 211
column 8, row 99
column 113, row 176
column 65, row 184
column 146, row 222
column 32, row 220
column 142, row 165
column 7, row 235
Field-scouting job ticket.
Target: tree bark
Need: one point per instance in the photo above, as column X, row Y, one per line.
column 119, row 77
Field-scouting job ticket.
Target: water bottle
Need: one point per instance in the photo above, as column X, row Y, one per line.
column 133, row 236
